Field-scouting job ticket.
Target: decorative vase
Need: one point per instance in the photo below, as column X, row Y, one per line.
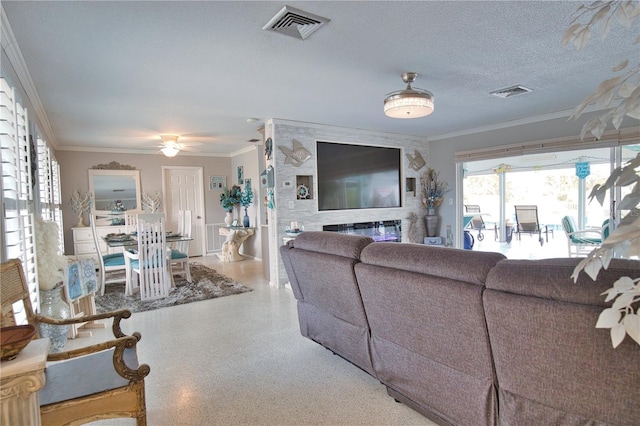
column 53, row 306
column 228, row 219
column 245, row 220
column 432, row 223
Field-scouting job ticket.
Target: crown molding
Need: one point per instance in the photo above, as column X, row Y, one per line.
column 182, row 153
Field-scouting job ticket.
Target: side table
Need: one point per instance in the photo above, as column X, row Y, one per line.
column 20, row 380
column 235, row 238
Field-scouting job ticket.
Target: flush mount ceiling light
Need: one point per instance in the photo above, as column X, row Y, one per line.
column 410, row 102
column 171, row 145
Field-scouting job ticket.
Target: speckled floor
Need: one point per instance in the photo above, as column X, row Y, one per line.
column 240, row 360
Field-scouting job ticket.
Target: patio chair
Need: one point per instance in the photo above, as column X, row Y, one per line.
column 581, row 242
column 149, row 266
column 527, row 223
column 101, row 381
column 476, row 222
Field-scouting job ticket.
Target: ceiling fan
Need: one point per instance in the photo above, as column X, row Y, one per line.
column 170, row 145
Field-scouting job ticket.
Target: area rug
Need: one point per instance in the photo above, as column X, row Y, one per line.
column 207, row 284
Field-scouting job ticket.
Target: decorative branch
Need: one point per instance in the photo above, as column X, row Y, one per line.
column 80, row 203
column 151, row 202
column 620, row 96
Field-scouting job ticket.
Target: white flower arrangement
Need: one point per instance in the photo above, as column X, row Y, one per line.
column 50, row 262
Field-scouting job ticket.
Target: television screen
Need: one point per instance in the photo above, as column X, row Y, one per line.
column 357, row 176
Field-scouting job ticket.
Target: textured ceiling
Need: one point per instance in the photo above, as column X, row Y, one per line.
column 118, row 74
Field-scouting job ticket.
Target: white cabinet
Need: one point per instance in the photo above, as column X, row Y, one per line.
column 83, row 246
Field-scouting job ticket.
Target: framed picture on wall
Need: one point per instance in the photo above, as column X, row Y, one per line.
column 240, row 175
column 217, row 183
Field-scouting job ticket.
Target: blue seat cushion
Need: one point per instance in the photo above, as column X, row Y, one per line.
column 175, row 254
column 84, row 375
column 115, row 259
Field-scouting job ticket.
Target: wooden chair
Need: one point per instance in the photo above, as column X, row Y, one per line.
column 180, row 252
column 149, row 267
column 96, row 382
column 527, row 223
column 581, row 242
column 112, row 262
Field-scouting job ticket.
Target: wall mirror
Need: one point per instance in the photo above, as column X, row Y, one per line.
column 114, row 187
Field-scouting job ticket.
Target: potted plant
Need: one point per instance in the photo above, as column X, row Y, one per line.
column 432, row 196
column 228, row 200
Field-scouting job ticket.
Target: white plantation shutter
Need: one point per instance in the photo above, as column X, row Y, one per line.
column 17, row 194
column 49, row 187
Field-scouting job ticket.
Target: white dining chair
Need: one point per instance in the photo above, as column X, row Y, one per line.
column 130, row 222
column 148, row 268
column 180, row 251
column 109, row 263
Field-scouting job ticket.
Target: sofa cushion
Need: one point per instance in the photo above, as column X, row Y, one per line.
column 335, row 243
column 551, row 279
column 453, row 264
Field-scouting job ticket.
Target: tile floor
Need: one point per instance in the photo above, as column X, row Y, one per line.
column 240, row 360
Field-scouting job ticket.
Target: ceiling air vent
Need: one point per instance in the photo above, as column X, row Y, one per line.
column 295, row 23
column 510, row 91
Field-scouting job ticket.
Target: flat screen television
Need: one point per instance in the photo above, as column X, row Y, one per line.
column 357, row 176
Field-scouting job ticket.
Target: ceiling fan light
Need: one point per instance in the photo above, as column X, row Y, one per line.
column 170, row 151
column 409, row 103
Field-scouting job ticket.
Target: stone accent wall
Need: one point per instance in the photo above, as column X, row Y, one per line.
column 305, row 212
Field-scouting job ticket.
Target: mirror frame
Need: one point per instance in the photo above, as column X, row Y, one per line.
column 135, row 174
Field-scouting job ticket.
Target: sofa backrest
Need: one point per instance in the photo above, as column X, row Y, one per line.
column 553, row 366
column 429, row 337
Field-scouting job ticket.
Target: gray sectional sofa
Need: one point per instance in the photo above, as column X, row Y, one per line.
column 464, row 337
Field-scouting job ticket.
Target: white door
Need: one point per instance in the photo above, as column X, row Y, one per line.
column 183, row 189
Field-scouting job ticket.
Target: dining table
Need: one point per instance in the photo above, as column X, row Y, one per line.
column 129, row 240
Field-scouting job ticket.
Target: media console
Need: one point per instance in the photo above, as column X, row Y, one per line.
column 386, row 230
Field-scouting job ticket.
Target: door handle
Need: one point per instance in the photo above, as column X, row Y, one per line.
column 198, row 217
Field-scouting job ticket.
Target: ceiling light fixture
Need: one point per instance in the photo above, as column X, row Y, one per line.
column 410, row 102
column 171, row 145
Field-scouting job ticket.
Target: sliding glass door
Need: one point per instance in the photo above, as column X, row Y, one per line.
column 558, row 184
